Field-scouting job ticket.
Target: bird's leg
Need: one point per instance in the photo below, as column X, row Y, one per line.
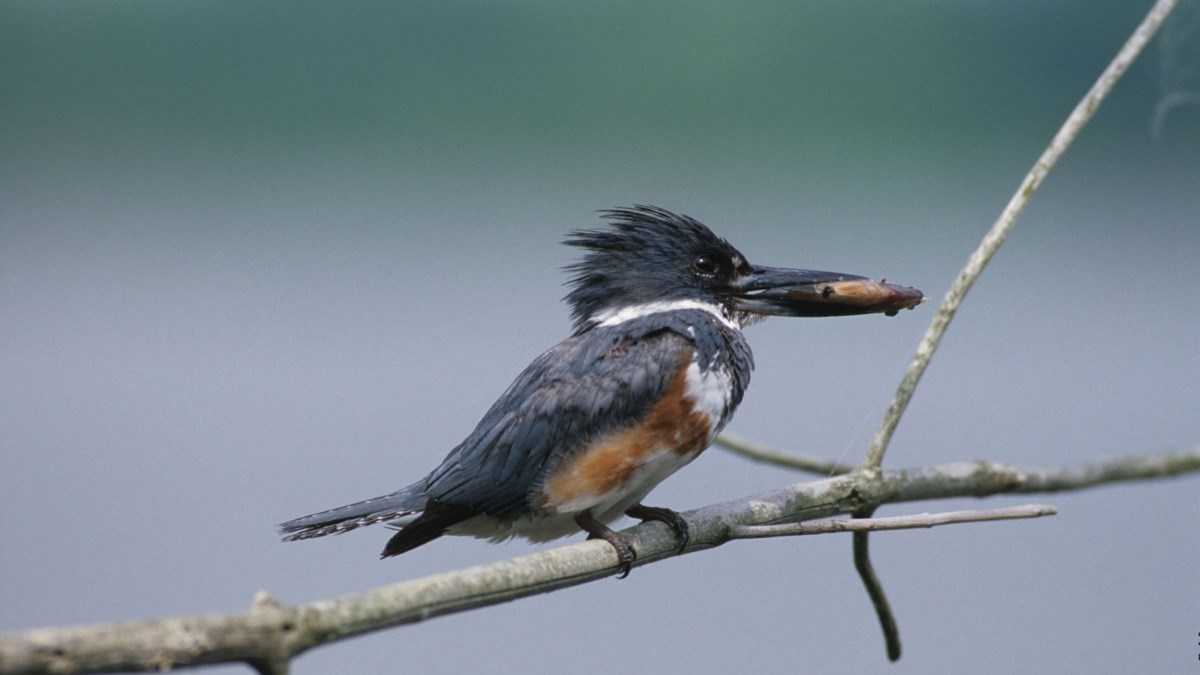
column 598, row 530
column 671, row 518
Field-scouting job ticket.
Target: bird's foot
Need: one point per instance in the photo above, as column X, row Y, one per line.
column 598, row 530
column 667, row 516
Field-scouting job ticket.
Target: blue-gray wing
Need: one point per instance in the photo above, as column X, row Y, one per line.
column 581, row 390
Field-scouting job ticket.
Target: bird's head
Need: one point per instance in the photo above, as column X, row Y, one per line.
column 653, row 257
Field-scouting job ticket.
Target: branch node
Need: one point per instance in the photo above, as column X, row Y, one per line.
column 263, row 601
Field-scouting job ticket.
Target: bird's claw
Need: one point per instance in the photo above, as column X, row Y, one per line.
column 670, row 518
column 597, row 530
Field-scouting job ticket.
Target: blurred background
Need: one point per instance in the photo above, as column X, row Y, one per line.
column 261, row 259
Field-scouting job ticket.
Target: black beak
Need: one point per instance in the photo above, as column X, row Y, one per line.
column 786, row 292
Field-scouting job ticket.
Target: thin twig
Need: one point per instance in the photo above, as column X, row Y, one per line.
column 991, row 241
column 865, row 524
column 874, row 587
column 862, row 525
column 791, row 460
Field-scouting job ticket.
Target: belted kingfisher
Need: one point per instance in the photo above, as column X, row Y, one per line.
column 656, row 366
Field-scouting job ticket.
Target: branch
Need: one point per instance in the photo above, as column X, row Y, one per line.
column 863, row 524
column 791, row 460
column 1075, row 122
column 1035, row 481
column 996, row 235
column 911, row 522
column 269, row 635
column 874, row 587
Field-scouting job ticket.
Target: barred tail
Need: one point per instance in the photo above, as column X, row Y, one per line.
column 407, row 502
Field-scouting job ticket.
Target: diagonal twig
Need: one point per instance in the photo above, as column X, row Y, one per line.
column 1074, row 123
column 872, row 464
column 789, row 459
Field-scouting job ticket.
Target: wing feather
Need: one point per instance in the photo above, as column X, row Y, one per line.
column 580, row 390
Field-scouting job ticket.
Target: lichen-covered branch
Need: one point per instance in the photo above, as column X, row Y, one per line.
column 268, row 635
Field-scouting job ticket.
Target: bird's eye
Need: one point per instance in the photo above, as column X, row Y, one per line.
column 706, row 264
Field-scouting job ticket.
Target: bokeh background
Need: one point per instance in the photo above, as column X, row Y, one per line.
column 260, row 259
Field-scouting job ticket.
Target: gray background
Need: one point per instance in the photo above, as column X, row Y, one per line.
column 260, row 259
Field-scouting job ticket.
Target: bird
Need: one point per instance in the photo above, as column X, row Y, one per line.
column 655, row 367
